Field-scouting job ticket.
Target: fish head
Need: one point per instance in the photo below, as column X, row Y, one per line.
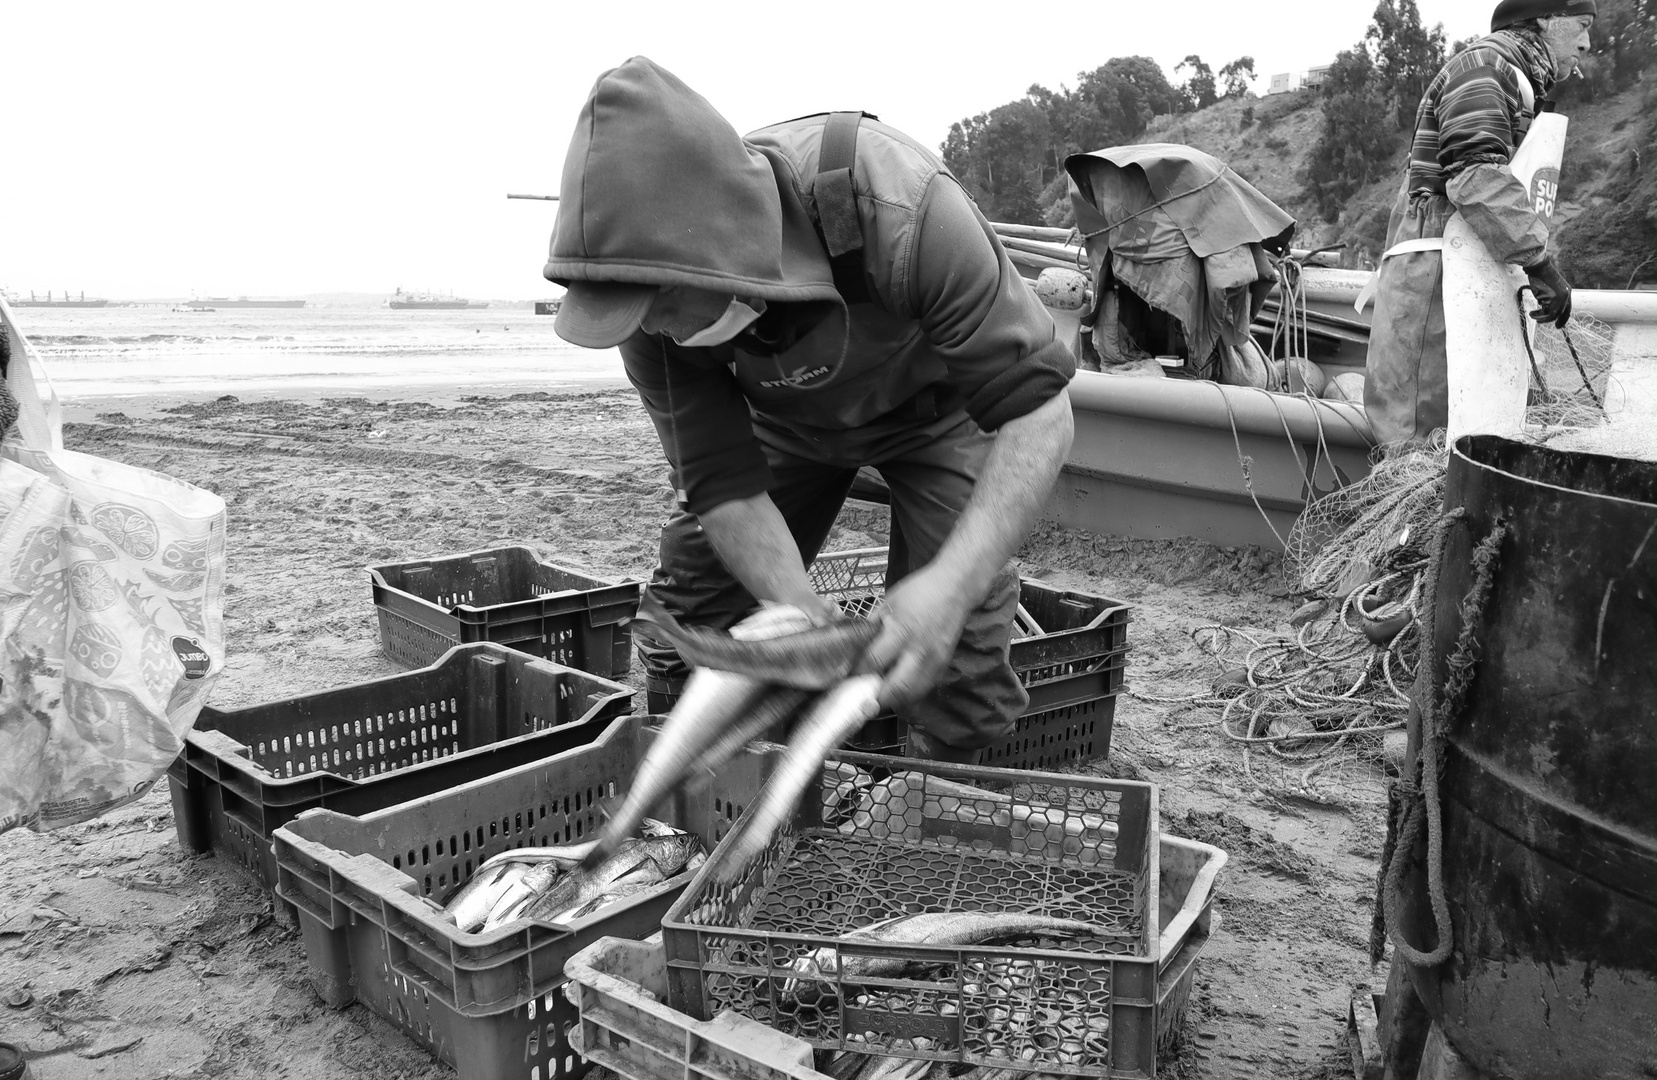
column 817, row 966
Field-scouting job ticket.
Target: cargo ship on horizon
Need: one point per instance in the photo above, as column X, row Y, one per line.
column 213, row 303
column 402, row 301
column 50, row 301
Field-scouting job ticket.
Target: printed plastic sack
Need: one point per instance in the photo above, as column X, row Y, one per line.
column 111, row 617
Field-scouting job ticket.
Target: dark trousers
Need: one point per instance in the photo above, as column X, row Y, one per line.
column 979, row 696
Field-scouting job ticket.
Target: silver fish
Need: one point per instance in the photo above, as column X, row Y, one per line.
column 473, row 901
column 952, row 928
column 810, row 659
column 650, row 861
column 776, row 705
column 566, row 854
column 713, row 700
column 834, row 718
column 636, row 882
column 897, row 1068
column 534, row 882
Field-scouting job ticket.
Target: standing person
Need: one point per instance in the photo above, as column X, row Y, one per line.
column 791, row 305
column 1472, row 118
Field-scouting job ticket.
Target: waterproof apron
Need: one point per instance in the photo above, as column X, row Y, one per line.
column 1406, row 381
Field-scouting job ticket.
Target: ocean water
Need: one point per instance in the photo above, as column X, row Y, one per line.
column 156, row 350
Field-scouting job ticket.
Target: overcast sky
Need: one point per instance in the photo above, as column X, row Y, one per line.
column 160, row 149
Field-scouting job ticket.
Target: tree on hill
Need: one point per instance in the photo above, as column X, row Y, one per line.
column 999, row 157
column 1407, row 56
column 1118, row 100
column 1613, row 244
column 1352, row 149
column 1199, row 86
column 1236, row 76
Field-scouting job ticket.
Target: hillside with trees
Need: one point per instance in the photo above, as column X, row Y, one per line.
column 1334, row 157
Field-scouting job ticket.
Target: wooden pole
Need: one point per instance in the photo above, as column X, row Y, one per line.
column 1039, row 262
column 1032, row 232
column 1062, row 252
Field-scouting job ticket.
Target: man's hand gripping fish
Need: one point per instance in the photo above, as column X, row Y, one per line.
column 744, row 682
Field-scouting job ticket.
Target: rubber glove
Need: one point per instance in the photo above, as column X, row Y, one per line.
column 1551, row 290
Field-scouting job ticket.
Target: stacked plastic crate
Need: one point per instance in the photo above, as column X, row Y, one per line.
column 1071, row 658
column 365, row 807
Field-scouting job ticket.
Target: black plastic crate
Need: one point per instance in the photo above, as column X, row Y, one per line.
column 1073, row 671
column 511, row 597
column 953, row 839
column 367, row 893
column 479, row 710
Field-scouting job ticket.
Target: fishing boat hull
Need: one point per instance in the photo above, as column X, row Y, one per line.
column 1162, row 458
column 1165, row 458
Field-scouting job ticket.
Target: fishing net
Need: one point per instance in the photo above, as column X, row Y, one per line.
column 1600, row 396
column 1310, row 705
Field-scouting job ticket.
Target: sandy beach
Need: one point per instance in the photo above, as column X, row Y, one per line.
column 137, row 959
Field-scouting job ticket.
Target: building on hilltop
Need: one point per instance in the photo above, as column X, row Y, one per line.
column 1310, row 79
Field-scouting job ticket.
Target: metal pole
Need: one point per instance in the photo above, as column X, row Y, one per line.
column 544, row 198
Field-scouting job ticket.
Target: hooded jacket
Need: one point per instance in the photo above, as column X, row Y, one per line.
column 659, row 189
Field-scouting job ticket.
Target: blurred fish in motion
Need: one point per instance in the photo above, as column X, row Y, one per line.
column 713, row 701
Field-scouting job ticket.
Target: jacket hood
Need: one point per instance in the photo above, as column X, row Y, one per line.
column 658, row 189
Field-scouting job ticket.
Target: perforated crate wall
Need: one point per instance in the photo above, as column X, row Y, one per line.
column 367, row 892
column 1073, row 672
column 480, row 709
column 911, row 842
column 509, row 596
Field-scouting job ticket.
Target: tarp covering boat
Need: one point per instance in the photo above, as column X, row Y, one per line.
column 1185, row 234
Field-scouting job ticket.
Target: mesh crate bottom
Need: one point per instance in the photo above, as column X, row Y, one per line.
column 829, row 884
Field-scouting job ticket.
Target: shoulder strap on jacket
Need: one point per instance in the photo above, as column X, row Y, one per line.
column 1527, row 93
column 837, row 204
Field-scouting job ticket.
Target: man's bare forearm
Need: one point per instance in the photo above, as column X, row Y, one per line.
column 1010, row 494
column 753, row 541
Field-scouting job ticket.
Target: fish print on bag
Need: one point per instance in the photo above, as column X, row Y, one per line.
column 80, row 538
column 185, row 583
column 41, row 629
column 40, row 550
column 193, row 612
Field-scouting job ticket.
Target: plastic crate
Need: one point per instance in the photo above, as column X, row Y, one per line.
column 1084, row 633
column 508, row 596
column 1069, row 846
column 367, row 888
column 480, row 709
column 1073, row 672
column 1041, row 740
column 619, row 987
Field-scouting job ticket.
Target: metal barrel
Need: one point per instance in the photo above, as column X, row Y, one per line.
column 1550, row 768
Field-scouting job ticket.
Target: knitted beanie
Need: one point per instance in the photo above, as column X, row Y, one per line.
column 1509, row 12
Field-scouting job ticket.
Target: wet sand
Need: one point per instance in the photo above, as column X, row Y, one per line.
column 142, row 960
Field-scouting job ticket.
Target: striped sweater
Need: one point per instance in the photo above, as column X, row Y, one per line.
column 1474, row 111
